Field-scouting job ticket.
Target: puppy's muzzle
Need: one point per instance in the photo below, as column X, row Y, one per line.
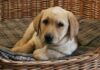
column 48, row 38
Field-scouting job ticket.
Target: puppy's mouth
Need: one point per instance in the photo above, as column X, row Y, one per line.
column 48, row 39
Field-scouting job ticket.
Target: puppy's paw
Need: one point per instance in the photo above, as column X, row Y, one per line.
column 40, row 54
column 17, row 50
column 22, row 49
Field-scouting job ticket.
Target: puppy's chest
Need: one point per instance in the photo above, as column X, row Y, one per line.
column 61, row 48
column 67, row 48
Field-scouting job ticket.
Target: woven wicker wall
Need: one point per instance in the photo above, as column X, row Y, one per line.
column 30, row 8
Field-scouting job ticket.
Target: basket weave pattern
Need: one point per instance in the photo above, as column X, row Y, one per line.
column 30, row 8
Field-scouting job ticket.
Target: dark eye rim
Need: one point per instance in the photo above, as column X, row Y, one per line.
column 45, row 21
column 60, row 24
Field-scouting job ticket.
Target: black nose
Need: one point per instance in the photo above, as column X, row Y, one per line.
column 48, row 38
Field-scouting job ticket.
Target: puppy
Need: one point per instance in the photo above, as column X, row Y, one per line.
column 54, row 28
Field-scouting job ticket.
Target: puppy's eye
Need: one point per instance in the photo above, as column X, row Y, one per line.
column 45, row 21
column 60, row 24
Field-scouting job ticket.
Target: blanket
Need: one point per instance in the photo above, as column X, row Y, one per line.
column 7, row 54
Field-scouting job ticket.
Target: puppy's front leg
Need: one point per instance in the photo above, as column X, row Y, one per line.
column 25, row 48
column 41, row 53
column 33, row 43
column 21, row 44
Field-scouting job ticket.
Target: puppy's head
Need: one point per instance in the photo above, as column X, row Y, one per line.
column 54, row 24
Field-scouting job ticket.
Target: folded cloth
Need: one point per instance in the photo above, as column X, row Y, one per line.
column 7, row 54
column 89, row 32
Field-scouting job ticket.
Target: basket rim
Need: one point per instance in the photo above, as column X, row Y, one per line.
column 91, row 55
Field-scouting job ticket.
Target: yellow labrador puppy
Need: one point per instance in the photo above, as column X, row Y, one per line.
column 54, row 28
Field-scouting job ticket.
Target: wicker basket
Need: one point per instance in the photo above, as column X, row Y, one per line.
column 10, row 9
column 30, row 8
column 89, row 61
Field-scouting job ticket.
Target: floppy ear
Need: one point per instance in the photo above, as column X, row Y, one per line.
column 73, row 25
column 37, row 21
